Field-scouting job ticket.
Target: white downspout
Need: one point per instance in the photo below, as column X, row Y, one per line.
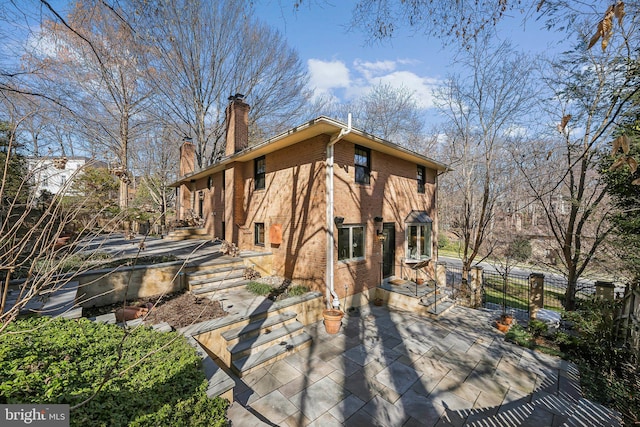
column 330, row 292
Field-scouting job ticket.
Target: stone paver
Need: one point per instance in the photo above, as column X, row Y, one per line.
column 345, row 409
column 398, row 376
column 274, row 406
column 318, row 398
column 391, row 368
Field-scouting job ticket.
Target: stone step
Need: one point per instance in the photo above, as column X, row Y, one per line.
column 162, row 327
column 186, row 233
column 267, row 338
column 74, row 313
column 270, row 354
column 432, row 299
column 108, row 318
column 254, row 328
column 405, row 287
column 220, row 286
column 220, row 383
column 189, row 231
column 441, row 308
column 61, row 302
column 181, row 238
column 219, row 278
column 203, row 274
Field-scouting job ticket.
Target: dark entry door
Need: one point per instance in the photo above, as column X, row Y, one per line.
column 388, row 249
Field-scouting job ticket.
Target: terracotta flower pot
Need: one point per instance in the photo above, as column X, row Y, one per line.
column 501, row 326
column 419, row 280
column 332, row 320
column 506, row 319
column 130, row 313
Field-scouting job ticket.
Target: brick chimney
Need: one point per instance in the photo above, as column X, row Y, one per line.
column 237, row 121
column 187, row 157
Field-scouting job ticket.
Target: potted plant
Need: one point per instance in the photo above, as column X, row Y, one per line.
column 332, row 320
column 504, row 322
column 502, row 327
column 506, row 318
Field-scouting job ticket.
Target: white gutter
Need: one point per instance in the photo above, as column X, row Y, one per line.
column 331, row 239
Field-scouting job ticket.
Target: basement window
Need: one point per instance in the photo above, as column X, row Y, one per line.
column 351, row 242
column 258, row 233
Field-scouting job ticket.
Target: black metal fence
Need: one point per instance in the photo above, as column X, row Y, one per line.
column 512, row 293
column 455, row 280
column 509, row 292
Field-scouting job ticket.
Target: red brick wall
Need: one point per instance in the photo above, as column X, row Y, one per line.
column 294, row 197
column 237, row 121
column 391, row 194
column 187, row 165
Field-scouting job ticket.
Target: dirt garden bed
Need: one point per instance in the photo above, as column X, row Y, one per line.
column 178, row 309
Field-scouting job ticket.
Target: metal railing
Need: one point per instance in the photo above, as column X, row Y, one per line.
column 456, row 283
column 511, row 292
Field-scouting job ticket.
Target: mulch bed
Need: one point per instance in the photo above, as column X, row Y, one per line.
column 177, row 309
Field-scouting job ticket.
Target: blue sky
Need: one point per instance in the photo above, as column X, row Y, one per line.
column 342, row 64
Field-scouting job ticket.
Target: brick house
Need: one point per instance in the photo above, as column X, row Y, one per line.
column 318, row 198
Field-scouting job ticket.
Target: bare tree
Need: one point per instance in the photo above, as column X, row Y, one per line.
column 484, row 111
column 388, row 112
column 208, row 51
column 94, row 65
column 156, row 159
column 465, row 21
column 591, row 90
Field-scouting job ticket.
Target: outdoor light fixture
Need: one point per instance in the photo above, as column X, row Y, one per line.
column 338, row 220
column 378, row 219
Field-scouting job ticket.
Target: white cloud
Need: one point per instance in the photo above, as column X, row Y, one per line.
column 335, row 79
column 372, row 69
column 327, row 75
column 422, row 86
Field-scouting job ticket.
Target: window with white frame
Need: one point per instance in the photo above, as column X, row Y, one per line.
column 351, row 242
column 418, row 241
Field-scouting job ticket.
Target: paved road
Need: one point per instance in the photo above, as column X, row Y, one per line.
column 557, row 279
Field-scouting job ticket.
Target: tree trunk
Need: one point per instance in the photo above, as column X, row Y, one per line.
column 570, row 295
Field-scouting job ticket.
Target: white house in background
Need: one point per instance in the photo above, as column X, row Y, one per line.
column 54, row 174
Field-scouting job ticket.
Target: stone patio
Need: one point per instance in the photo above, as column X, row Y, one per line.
column 390, row 368
column 393, row 368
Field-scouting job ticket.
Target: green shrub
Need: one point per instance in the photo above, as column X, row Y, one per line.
column 538, row 328
column 520, row 336
column 297, row 290
column 258, row 288
column 443, row 241
column 520, row 249
column 608, row 372
column 158, row 380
